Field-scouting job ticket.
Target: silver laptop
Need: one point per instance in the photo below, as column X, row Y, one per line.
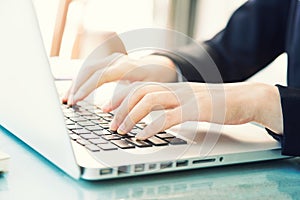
column 79, row 143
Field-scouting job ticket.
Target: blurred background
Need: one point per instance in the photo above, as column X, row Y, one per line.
column 92, row 20
column 71, row 29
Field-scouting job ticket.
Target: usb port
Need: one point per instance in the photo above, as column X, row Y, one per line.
column 165, row 165
column 123, row 170
column 181, row 163
column 152, row 166
column 139, row 168
column 106, row 171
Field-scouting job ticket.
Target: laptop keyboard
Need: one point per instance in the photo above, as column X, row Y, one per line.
column 88, row 125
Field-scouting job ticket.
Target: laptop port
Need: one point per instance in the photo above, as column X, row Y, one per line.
column 152, row 166
column 181, row 163
column 123, row 170
column 106, row 171
column 165, row 165
column 204, row 161
column 139, row 168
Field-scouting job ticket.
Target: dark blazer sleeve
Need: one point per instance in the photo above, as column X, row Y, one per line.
column 290, row 140
column 253, row 37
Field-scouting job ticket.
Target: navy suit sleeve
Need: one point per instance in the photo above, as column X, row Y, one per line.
column 254, row 37
column 290, row 98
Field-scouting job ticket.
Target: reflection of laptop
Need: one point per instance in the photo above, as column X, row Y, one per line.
column 30, row 109
column 3, row 162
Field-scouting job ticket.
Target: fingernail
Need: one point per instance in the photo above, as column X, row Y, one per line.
column 105, row 106
column 113, row 126
column 122, row 129
column 71, row 100
column 64, row 100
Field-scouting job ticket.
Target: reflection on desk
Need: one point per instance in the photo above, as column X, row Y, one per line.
column 33, row 177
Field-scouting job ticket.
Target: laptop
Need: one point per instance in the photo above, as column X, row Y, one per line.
column 77, row 139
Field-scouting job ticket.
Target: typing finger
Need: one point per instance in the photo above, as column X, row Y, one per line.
column 127, row 101
column 150, row 102
column 164, row 121
column 88, row 69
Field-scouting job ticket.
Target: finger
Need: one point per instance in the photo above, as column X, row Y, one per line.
column 164, row 121
column 118, row 97
column 89, row 69
column 120, row 71
column 65, row 97
column 96, row 80
column 150, row 102
column 139, row 90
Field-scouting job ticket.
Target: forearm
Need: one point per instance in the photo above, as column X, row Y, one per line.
column 248, row 102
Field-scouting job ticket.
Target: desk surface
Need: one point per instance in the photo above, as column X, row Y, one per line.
column 32, row 177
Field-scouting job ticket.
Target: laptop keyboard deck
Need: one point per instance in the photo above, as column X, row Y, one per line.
column 88, row 125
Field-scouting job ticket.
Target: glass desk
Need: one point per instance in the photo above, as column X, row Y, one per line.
column 32, row 177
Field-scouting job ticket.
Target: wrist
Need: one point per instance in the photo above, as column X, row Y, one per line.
column 268, row 111
column 161, row 66
column 162, row 60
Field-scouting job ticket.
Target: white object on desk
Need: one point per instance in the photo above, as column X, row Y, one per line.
column 4, row 159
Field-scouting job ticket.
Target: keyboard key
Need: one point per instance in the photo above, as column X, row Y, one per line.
column 111, row 137
column 69, row 122
column 102, row 114
column 109, row 118
column 98, row 141
column 156, row 141
column 71, row 114
column 164, row 135
column 138, row 143
column 100, row 121
column 111, row 131
column 107, row 146
column 123, row 144
column 86, row 123
column 78, row 119
column 102, row 132
column 141, row 125
column 74, row 136
column 128, row 135
column 83, row 141
column 74, row 127
column 92, row 147
column 84, row 113
column 89, row 136
column 83, row 103
column 135, row 131
column 94, row 128
column 92, row 117
column 74, row 107
column 176, row 141
column 78, row 109
column 105, row 126
column 81, row 131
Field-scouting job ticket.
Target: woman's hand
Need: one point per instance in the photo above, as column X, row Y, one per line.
column 116, row 67
column 235, row 103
